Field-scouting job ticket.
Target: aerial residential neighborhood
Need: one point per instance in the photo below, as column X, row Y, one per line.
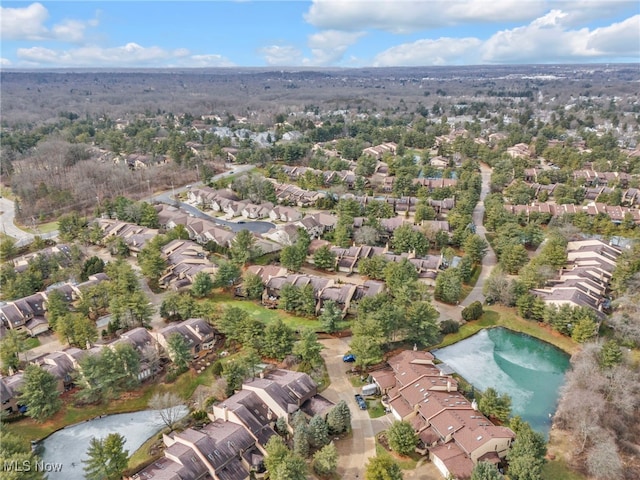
column 319, row 270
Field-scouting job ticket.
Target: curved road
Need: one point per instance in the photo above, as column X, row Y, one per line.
column 7, row 217
column 488, row 262
column 255, row 227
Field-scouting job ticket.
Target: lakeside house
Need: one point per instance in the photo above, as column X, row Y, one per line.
column 451, row 430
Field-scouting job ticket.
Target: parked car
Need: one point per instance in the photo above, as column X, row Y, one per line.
column 349, row 357
column 360, row 401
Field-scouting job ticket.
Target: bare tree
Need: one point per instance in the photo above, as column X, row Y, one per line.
column 170, row 407
column 603, row 460
column 151, row 356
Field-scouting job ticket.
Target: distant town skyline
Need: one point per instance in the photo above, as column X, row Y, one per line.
column 317, row 33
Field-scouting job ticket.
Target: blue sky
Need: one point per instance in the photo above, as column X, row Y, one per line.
column 317, row 33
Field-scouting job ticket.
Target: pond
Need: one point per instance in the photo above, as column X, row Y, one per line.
column 529, row 370
column 69, row 445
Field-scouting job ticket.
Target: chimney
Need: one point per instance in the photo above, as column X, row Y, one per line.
column 225, row 412
column 261, row 374
column 448, row 385
column 474, row 405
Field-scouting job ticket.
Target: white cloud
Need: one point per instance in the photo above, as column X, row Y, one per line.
column 24, row 23
column 328, row 47
column 212, row 60
column 548, row 40
column 281, row 55
column 402, row 16
column 5, row 62
column 581, row 11
column 619, row 39
column 129, row 55
column 28, row 23
column 545, row 40
column 442, row 51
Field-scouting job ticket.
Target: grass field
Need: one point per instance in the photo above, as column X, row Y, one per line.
column 375, row 408
column 267, row 315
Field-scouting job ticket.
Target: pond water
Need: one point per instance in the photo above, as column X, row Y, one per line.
column 529, row 370
column 69, row 445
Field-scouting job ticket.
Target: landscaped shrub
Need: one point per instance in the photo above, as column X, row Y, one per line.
column 472, row 312
column 449, row 326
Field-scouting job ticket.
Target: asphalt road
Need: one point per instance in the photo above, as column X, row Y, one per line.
column 166, row 197
column 7, row 218
column 488, row 262
column 357, row 448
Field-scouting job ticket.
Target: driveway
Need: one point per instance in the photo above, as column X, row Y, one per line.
column 357, row 448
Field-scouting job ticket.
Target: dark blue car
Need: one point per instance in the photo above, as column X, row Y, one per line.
column 350, row 357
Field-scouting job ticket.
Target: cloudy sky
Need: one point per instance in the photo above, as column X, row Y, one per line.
column 342, row 33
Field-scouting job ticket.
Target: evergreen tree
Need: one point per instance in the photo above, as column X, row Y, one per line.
column 330, row 316
column 339, row 418
column 494, row 405
column 107, row 458
column 234, row 373
column 610, row 354
column 202, row 285
column 39, row 393
column 252, row 286
column 301, row 441
column 402, row 438
column 278, row 340
column 318, row 432
column 179, row 351
column 486, row 471
column 308, row 348
column 325, row 460
column 324, row 258
column 11, row 344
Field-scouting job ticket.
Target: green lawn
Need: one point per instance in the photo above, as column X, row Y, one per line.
column 47, row 227
column 134, row 401
column 504, row 317
column 268, row 315
column 375, row 408
column 142, row 456
column 31, row 342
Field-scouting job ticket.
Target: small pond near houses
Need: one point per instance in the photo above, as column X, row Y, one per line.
column 529, row 370
column 69, row 445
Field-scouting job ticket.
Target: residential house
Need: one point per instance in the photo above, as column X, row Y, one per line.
column 26, row 314
column 432, row 184
column 185, row 259
column 61, row 252
column 520, row 150
column 231, row 447
column 439, row 162
column 283, row 234
column 198, row 334
column 379, row 150
column 584, row 281
column 452, row 431
column 617, row 214
column 284, row 214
